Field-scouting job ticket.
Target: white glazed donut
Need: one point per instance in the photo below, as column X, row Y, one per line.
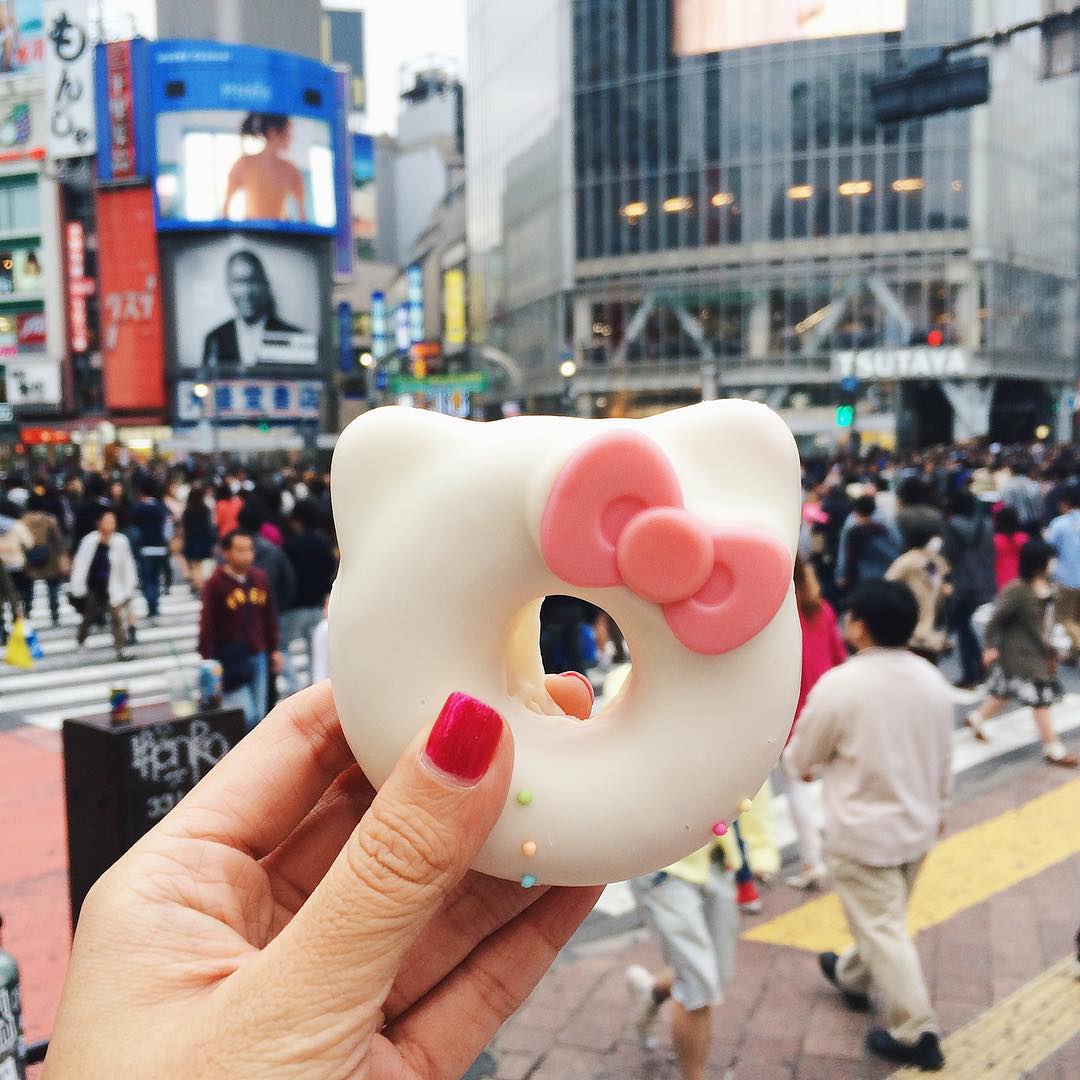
column 682, row 526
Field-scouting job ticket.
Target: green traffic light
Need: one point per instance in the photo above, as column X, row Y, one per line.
column 845, row 415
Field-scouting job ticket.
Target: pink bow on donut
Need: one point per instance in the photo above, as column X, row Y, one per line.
column 615, row 516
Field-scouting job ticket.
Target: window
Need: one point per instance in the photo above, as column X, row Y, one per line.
column 20, row 207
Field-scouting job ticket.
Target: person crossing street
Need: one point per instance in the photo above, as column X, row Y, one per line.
column 103, row 580
column 879, row 730
column 238, row 627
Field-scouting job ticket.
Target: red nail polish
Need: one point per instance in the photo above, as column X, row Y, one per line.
column 464, row 739
column 584, row 679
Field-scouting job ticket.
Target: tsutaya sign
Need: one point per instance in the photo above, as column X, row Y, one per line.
column 941, row 362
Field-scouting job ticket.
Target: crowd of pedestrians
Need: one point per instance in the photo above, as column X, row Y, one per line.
column 258, row 549
column 973, row 552
column 903, row 561
column 988, row 542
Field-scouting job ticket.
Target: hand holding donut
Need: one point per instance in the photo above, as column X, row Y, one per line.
column 682, row 527
column 284, row 920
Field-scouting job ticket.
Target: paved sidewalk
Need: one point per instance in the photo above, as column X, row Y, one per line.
column 782, row 1019
column 987, row 935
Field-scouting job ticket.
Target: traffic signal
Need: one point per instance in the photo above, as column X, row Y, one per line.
column 932, row 89
column 845, row 415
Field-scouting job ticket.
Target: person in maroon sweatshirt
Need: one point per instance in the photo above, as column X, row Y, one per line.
column 238, row 627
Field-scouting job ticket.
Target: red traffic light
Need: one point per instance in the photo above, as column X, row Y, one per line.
column 935, row 338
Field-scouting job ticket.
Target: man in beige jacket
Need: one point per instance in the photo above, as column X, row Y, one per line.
column 879, row 731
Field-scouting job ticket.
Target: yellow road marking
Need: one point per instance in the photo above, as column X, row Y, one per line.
column 960, row 872
column 1017, row 1033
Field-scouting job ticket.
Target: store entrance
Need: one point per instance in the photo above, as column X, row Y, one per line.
column 1020, row 406
column 927, row 413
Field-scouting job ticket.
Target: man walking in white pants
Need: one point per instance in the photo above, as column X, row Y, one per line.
column 879, row 729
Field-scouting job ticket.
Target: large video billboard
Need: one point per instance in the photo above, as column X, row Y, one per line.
column 245, row 304
column 244, row 138
column 708, row 26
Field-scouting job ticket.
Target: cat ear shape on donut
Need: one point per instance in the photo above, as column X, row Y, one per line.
column 615, row 516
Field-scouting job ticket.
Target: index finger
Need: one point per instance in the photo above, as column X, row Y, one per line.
column 267, row 784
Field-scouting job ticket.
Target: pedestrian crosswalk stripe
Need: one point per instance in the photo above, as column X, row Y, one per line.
column 1012, row 731
column 69, row 684
column 1018, row 1033
column 962, row 871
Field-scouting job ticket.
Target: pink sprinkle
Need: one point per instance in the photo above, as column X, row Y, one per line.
column 720, row 828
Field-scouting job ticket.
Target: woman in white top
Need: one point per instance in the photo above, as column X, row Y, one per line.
column 104, row 578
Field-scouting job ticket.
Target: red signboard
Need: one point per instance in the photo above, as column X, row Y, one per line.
column 31, row 330
column 121, row 109
column 79, row 287
column 132, row 332
column 43, row 436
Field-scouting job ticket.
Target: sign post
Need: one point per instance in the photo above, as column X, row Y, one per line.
column 120, row 780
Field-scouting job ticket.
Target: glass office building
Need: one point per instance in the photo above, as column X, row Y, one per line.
column 692, row 198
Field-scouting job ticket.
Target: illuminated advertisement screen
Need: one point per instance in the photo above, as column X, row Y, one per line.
column 22, row 40
column 709, row 26
column 243, row 139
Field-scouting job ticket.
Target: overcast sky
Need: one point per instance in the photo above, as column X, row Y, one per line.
column 397, row 32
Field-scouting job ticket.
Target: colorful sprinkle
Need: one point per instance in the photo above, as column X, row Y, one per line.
column 528, row 881
column 528, row 849
column 720, row 828
column 524, row 797
column 744, row 806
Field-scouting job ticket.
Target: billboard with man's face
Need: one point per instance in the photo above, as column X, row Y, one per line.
column 245, row 305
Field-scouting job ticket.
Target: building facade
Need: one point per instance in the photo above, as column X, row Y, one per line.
column 693, row 202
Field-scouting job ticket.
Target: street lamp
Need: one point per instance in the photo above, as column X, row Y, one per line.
column 366, row 359
column 568, row 369
column 203, row 390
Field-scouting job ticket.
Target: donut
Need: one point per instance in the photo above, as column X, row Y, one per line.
column 682, row 526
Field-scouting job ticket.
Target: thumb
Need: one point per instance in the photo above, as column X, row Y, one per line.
column 417, row 840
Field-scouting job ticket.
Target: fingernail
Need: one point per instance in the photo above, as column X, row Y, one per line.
column 584, row 679
column 463, row 742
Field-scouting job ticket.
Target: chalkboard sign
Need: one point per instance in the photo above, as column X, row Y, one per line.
column 121, row 780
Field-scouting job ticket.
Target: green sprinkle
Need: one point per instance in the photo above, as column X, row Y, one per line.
column 524, row 797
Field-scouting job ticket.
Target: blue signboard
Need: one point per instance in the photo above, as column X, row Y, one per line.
column 243, row 137
column 402, row 337
column 363, row 158
column 124, row 130
column 416, row 303
column 343, row 238
column 379, row 342
column 347, row 360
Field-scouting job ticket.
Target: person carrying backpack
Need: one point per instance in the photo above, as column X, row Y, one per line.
column 46, row 559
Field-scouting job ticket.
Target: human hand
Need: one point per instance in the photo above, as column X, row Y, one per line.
column 259, row 930
column 277, row 662
column 990, row 657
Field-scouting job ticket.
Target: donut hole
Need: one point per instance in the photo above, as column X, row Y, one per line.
column 560, row 633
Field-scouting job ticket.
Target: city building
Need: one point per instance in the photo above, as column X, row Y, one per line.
column 686, row 199
column 32, row 301
column 407, row 291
